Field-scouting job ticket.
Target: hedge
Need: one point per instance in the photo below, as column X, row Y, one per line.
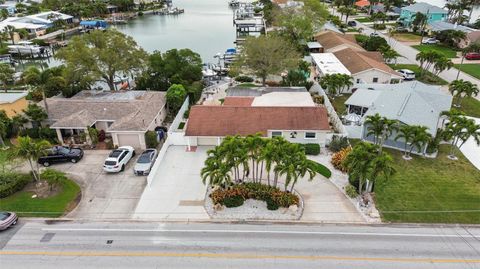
column 244, row 79
column 321, row 169
column 10, row 183
column 311, row 149
column 151, row 139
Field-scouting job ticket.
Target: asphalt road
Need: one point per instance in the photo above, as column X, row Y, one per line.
column 181, row 245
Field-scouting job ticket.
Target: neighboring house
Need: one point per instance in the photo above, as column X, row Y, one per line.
column 292, row 115
column 472, row 35
column 327, row 64
column 433, row 13
column 10, row 7
column 367, row 67
column 332, row 42
column 411, row 103
column 36, row 24
column 13, row 102
column 138, row 2
column 124, row 115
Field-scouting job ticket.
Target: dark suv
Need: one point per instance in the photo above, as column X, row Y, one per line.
column 59, row 154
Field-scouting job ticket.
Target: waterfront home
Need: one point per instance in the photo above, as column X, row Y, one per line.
column 433, row 13
column 9, row 7
column 290, row 114
column 328, row 64
column 367, row 66
column 332, row 42
column 37, row 24
column 411, row 103
column 13, row 103
column 125, row 116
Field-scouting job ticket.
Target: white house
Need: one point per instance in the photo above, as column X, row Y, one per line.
column 327, row 64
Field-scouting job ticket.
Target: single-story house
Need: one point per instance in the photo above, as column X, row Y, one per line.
column 13, row 103
column 124, row 115
column 433, row 13
column 411, row 103
column 327, row 64
column 9, row 7
column 292, row 115
column 314, row 47
column 36, row 24
column 332, row 42
column 367, row 66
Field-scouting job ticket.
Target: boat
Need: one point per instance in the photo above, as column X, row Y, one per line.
column 234, row 3
column 171, row 11
column 25, row 48
column 230, row 55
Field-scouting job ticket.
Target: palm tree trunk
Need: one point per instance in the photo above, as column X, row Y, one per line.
column 268, row 177
column 261, row 171
column 2, row 143
column 34, row 172
column 275, row 180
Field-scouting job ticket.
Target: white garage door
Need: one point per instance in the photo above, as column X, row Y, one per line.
column 129, row 140
column 207, row 141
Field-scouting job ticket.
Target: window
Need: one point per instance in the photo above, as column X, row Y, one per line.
column 310, row 135
column 375, row 80
column 277, row 133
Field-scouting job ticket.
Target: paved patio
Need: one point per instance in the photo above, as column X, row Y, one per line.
column 177, row 192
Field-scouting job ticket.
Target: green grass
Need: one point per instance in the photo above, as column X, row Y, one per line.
column 471, row 69
column 470, row 106
column 446, row 51
column 339, row 103
column 366, row 19
column 321, row 169
column 428, row 77
column 430, row 190
column 407, row 37
column 247, row 85
column 24, row 205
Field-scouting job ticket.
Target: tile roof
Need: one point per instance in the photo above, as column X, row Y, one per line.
column 357, row 62
column 329, row 39
column 424, row 8
column 229, row 120
column 11, row 97
column 129, row 110
column 238, row 101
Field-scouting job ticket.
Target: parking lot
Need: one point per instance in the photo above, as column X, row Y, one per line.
column 104, row 196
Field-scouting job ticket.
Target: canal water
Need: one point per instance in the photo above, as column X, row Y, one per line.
column 206, row 27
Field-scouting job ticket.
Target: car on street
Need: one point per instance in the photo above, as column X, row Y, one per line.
column 407, row 74
column 7, row 219
column 374, row 34
column 61, row 154
column 352, row 23
column 117, row 160
column 430, row 41
column 472, row 56
column 145, row 162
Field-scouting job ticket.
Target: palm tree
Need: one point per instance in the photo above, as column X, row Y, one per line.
column 358, row 162
column 30, row 151
column 461, row 89
column 441, row 64
column 374, row 127
column 405, row 133
column 6, row 75
column 459, row 130
column 10, row 30
column 3, row 127
column 474, row 47
column 420, row 138
column 47, row 81
column 381, row 165
column 215, row 171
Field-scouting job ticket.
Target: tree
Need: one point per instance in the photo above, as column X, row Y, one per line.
column 461, row 89
column 405, row 133
column 428, row 58
column 358, row 162
column 176, row 95
column 6, row 75
column 335, row 83
column 381, row 128
column 36, row 114
column 451, row 38
column 473, row 47
column 419, row 21
column 103, row 55
column 4, row 14
column 18, row 121
column 4, row 124
column 53, row 177
column 49, row 82
column 459, row 130
column 30, row 151
column 441, row 64
column 389, row 54
column 267, row 55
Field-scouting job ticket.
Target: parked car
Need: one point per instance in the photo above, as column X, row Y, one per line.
column 7, row 219
column 59, row 154
column 374, row 34
column 118, row 159
column 352, row 23
column 145, row 162
column 430, row 40
column 407, row 74
column 472, row 56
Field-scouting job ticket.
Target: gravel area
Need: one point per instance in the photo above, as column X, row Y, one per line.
column 253, row 210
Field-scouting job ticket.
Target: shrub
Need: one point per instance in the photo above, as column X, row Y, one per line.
column 151, row 139
column 271, row 83
column 272, row 205
column 140, row 13
column 244, row 79
column 186, row 114
column 354, row 182
column 318, row 99
column 53, row 177
column 181, row 125
column 339, row 157
column 374, row 43
column 321, row 169
column 47, row 133
column 311, row 149
column 234, row 201
column 351, row 191
column 338, row 143
column 10, row 183
column 110, row 144
column 31, row 132
column 101, row 136
column 40, row 42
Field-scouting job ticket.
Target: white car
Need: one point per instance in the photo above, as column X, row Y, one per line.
column 430, row 40
column 145, row 162
column 118, row 159
column 407, row 74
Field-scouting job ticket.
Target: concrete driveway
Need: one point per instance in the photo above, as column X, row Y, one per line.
column 104, row 196
column 177, row 191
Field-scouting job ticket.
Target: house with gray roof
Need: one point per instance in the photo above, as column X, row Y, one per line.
column 410, row 103
column 125, row 116
column 433, row 13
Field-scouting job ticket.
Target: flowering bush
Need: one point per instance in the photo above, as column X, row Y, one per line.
column 339, row 157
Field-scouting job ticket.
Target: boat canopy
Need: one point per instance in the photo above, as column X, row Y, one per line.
column 102, row 24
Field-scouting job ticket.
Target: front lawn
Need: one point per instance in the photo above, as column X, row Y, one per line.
column 471, row 69
column 427, row 77
column 446, row 51
column 470, row 106
column 407, row 37
column 365, row 19
column 339, row 103
column 430, row 190
column 24, row 205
